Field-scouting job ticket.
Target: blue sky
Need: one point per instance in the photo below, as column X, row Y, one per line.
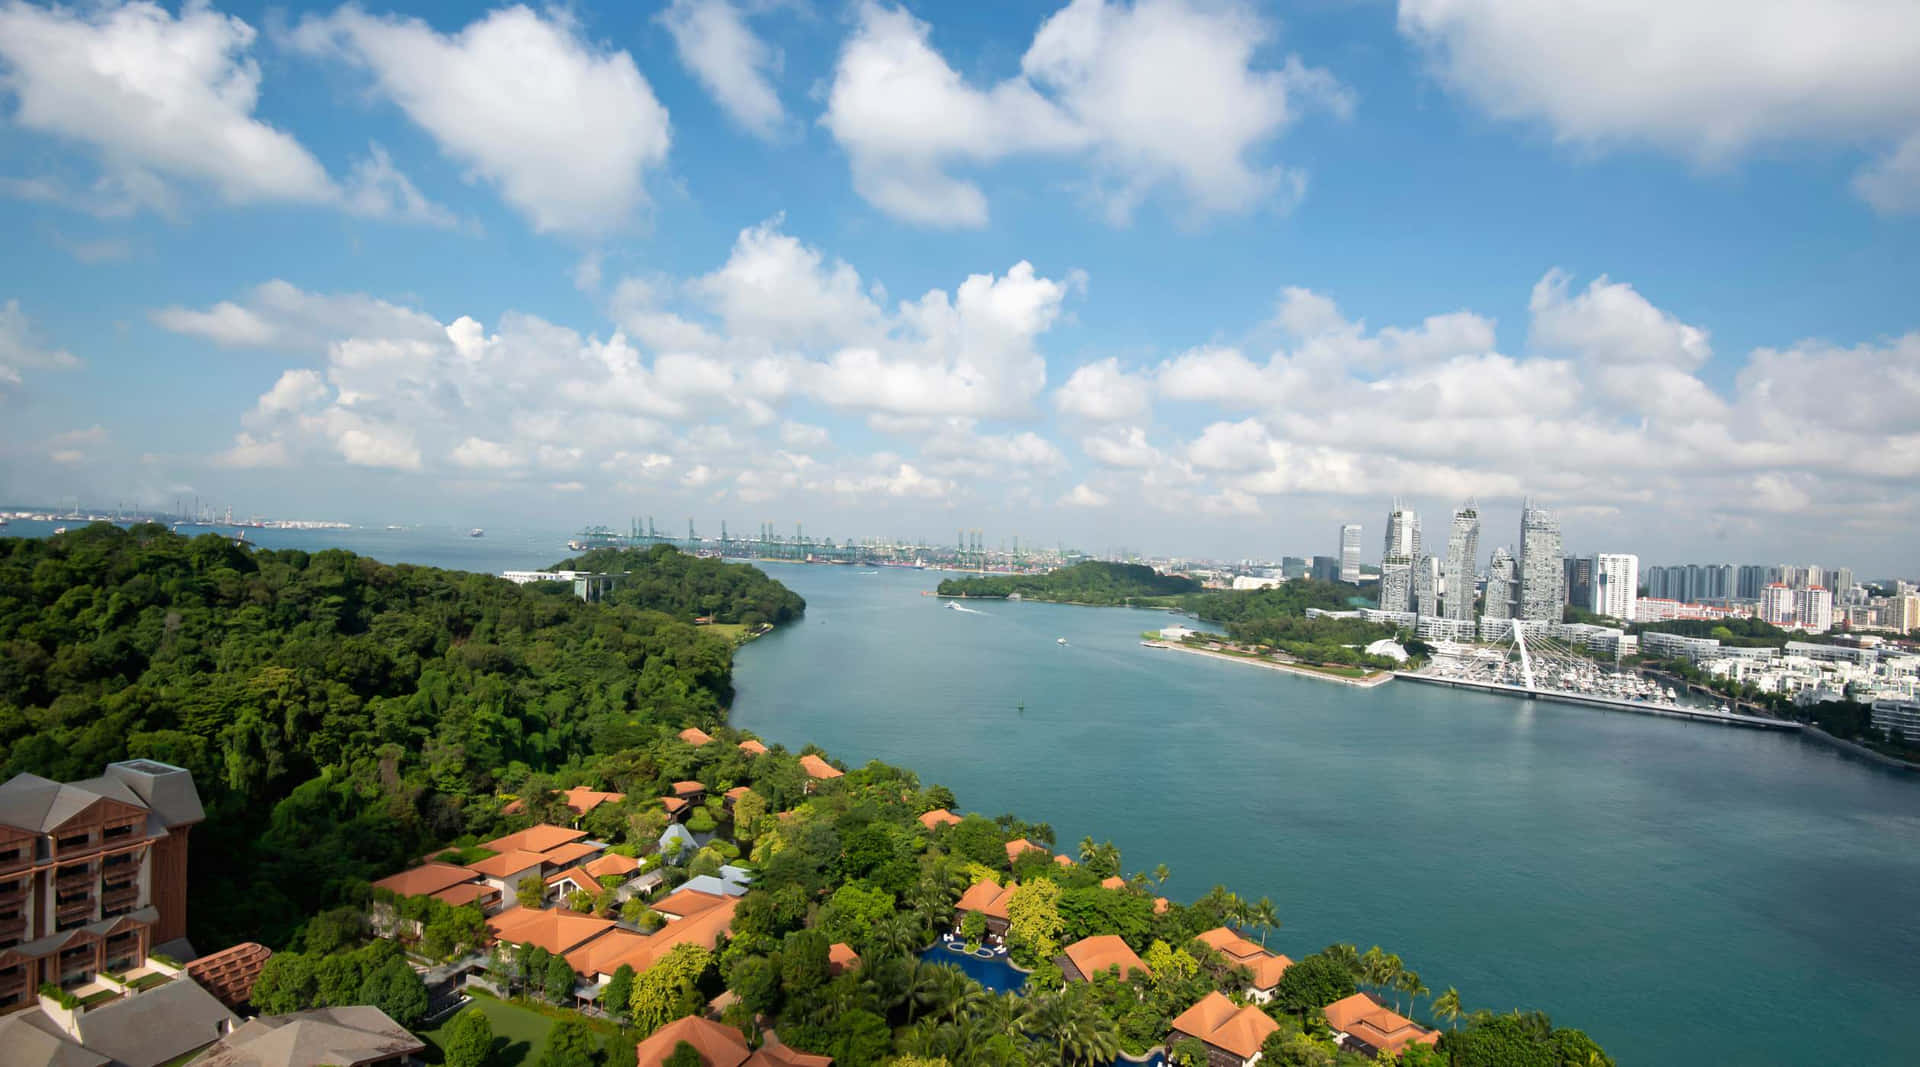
column 1181, row 276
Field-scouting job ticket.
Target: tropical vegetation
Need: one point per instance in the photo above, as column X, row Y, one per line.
column 1089, row 582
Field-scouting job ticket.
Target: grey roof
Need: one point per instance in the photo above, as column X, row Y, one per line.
column 167, row 789
column 736, row 875
column 337, row 1036
column 30, row 802
column 46, row 945
column 675, row 831
column 153, row 1027
column 30, row 1039
column 707, row 883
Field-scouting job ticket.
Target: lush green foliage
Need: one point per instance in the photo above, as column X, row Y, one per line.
column 1739, row 633
column 662, row 578
column 1520, row 1039
column 469, row 1039
column 338, row 714
column 1280, row 601
column 1092, row 582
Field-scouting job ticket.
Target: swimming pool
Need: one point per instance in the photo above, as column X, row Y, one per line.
column 996, row 974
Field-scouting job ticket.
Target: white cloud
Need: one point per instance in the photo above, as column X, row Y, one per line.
column 1103, row 392
column 377, row 190
column 1124, row 447
column 569, row 148
column 477, row 453
column 21, row 349
column 1698, row 78
column 1083, row 496
column 1157, row 94
column 155, row 94
column 251, row 453
column 225, row 323
column 715, row 44
column 1892, row 183
column 278, row 314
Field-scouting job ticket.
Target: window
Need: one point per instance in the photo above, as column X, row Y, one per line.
column 114, row 832
column 10, row 854
column 75, row 841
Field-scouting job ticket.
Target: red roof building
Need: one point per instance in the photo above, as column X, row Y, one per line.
column 1236, row 1033
column 1099, row 954
column 719, row 1046
column 229, row 974
column 1265, row 967
column 1362, row 1024
column 695, row 736
column 938, row 817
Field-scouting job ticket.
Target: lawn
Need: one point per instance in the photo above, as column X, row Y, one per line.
column 519, row 1035
column 148, row 981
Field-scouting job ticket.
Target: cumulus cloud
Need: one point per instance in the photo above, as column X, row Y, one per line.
column 715, row 44
column 569, row 149
column 163, row 98
column 278, row 314
column 1083, row 496
column 1103, row 392
column 1158, row 94
column 1694, row 77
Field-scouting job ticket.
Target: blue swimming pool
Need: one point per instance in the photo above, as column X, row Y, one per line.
column 996, row 974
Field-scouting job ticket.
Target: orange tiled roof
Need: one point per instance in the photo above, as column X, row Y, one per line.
column 425, row 880
column 610, row 863
column 1063, row 861
column 695, row 736
column 1217, row 1022
column 554, row 929
column 1094, row 955
column 605, row 954
column 987, row 899
column 674, row 805
column 688, row 788
column 1376, row 1024
column 685, row 903
column 580, row 879
column 1114, row 882
column 1160, row 905
column 468, row 893
column 841, row 958
column 571, row 852
column 719, row 1046
column 937, row 818
column 537, row 838
column 506, row 864
column 583, row 800
column 753, row 748
column 738, row 791
column 1020, row 846
column 229, row 974
column 1267, row 967
column 818, row 768
column 771, row 1055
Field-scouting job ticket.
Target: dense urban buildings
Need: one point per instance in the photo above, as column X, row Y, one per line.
column 1463, row 548
column 1350, row 552
column 1397, row 557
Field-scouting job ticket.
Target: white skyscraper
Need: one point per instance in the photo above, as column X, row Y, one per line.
column 1463, row 549
column 1542, row 573
column 1427, row 585
column 1813, row 609
column 1397, row 560
column 1616, row 583
column 1500, row 586
column 1350, row 552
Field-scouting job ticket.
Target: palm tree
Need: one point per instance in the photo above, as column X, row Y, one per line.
column 1070, row 1027
column 924, row 986
column 1408, row 982
column 1447, row 1006
column 1088, row 850
column 1161, row 874
column 899, row 934
column 1263, row 915
column 1346, row 956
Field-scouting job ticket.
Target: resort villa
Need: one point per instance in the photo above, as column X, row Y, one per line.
column 1264, row 968
column 753, row 748
column 938, row 817
column 720, row 1046
column 686, row 796
column 1019, row 847
column 818, row 770
column 1362, row 1024
column 989, row 901
column 695, row 736
column 841, row 958
column 580, row 799
column 1099, row 954
column 356, row 1036
column 1232, row 1033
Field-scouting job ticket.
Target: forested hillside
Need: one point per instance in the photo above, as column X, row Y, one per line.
column 1286, row 600
column 1092, row 582
column 335, row 711
column 663, row 578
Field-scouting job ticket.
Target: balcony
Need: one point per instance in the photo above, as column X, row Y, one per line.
column 68, row 877
column 123, row 899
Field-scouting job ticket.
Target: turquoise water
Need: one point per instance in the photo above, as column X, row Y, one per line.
column 996, row 974
column 1687, row 893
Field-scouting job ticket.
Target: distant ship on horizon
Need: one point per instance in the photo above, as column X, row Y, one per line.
column 476, row 532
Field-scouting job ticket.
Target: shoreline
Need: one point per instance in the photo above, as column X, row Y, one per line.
column 1608, row 704
column 1370, row 682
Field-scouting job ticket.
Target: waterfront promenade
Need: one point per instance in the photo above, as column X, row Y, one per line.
column 1637, row 707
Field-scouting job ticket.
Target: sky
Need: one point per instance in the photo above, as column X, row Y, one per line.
column 1175, row 276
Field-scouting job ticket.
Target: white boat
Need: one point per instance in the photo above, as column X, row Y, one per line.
column 1060, row 640
column 476, row 532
